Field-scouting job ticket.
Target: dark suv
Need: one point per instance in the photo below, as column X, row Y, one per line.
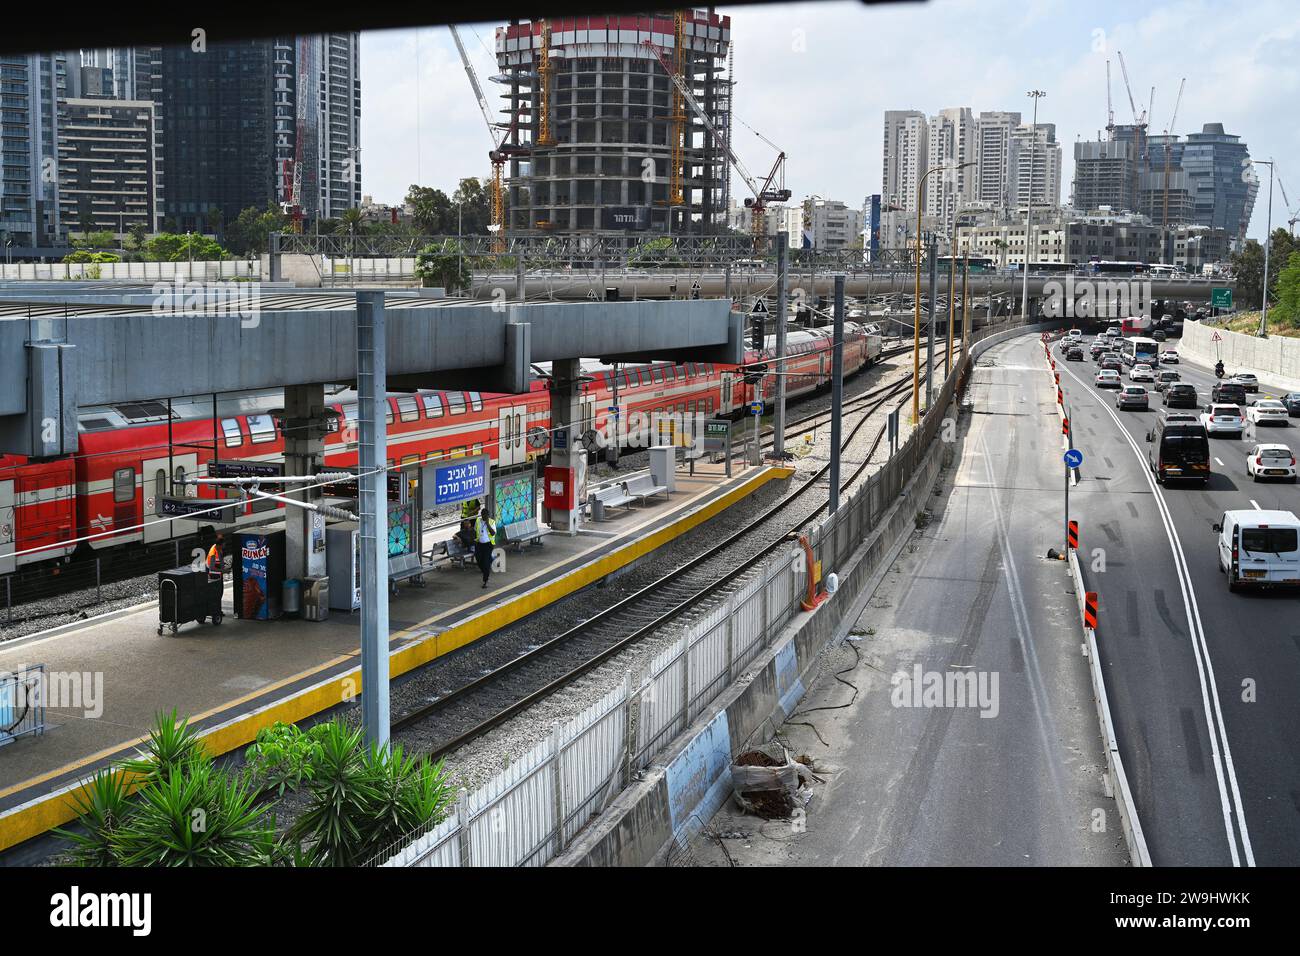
column 1181, row 395
column 1229, row 393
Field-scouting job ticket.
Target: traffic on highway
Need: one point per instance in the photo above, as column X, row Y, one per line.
column 1187, row 508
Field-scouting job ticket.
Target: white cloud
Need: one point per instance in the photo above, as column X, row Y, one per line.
column 823, row 100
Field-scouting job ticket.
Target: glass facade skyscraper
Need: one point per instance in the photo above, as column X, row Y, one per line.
column 1220, row 179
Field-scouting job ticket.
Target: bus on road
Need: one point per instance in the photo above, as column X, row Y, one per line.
column 1137, row 350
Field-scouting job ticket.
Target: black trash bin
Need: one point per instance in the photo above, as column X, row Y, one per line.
column 186, row 595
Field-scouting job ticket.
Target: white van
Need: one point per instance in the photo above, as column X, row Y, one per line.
column 1259, row 548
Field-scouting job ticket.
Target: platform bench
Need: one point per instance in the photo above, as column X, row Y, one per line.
column 454, row 552
column 405, row 567
column 615, row 496
column 524, row 532
column 642, row 487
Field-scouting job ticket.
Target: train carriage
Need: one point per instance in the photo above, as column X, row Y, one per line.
column 132, row 456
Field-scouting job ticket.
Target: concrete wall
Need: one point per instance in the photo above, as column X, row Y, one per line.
column 1276, row 359
column 691, row 779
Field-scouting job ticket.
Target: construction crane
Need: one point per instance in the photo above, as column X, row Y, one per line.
column 292, row 204
column 677, row 117
column 1139, row 126
column 1169, row 134
column 503, row 147
column 1110, row 112
column 1294, row 214
column 545, row 75
column 772, row 188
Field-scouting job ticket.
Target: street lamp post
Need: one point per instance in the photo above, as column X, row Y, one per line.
column 1268, row 241
column 1029, row 204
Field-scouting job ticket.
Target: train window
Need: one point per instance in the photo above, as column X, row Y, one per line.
column 645, row 376
column 670, row 373
column 475, row 401
column 458, row 452
column 178, row 481
column 681, row 371
column 159, row 489
column 260, row 428
column 124, row 484
column 456, row 403
column 410, row 461
column 691, row 369
column 690, row 406
column 657, row 373
column 478, row 448
column 627, row 378
column 433, row 456
column 230, row 428
column 388, row 411
column 408, row 409
column 432, row 405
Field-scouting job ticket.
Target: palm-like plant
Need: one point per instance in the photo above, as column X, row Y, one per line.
column 103, row 805
column 195, row 817
column 343, row 793
column 172, row 744
column 349, row 222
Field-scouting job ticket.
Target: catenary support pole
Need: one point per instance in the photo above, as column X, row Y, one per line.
column 778, row 420
column 929, row 349
column 373, row 487
column 837, row 390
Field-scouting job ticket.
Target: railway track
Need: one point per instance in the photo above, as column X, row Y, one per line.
column 487, row 701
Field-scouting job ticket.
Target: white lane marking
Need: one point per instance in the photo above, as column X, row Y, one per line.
column 1255, row 504
column 1219, row 462
column 1223, row 765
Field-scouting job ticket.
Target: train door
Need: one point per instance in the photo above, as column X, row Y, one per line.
column 728, row 399
column 588, row 414
column 512, row 435
column 8, row 524
column 156, row 484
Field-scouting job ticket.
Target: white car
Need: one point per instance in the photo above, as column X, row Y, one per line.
column 1246, row 380
column 1271, row 461
column 1268, row 411
column 1107, row 378
column 1259, row 548
column 1169, row 357
column 1132, row 396
column 1223, row 419
column 1113, row 333
column 1141, row 372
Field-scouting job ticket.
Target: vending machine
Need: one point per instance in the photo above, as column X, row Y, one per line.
column 258, row 573
column 343, row 561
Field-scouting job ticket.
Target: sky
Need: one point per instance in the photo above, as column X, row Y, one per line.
column 816, row 78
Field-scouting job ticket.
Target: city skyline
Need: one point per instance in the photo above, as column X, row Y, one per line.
column 1237, row 75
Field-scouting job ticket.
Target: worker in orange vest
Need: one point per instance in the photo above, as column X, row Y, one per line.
column 215, row 561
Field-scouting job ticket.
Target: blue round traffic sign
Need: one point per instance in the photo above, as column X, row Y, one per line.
column 1073, row 458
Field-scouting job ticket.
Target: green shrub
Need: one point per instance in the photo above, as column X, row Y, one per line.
column 283, row 757
column 195, row 816
column 172, row 744
column 102, row 809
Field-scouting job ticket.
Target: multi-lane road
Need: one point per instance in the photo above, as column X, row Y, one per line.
column 1204, row 684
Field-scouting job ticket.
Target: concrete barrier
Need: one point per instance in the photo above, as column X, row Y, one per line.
column 1276, row 360
column 691, row 779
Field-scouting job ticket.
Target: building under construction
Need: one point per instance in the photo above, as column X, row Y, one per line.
column 599, row 139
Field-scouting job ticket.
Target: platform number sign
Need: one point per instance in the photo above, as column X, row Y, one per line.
column 460, row 480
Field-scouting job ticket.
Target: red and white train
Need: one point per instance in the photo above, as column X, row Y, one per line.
column 110, row 494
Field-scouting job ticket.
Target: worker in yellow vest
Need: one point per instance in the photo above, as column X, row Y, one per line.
column 484, row 534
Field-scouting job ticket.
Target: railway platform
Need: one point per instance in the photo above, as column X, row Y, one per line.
column 234, row 679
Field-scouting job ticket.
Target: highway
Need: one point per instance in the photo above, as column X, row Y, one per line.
column 1203, row 683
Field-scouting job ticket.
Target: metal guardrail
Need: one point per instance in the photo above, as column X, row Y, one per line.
column 22, row 703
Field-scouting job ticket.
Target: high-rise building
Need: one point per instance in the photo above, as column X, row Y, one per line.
column 824, row 224
column 246, row 120
column 952, row 142
column 31, row 86
column 1222, row 195
column 107, row 179
column 611, row 163
column 906, row 158
column 993, row 154
column 1035, row 166
column 1105, row 174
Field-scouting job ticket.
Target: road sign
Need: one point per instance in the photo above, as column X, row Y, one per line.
column 1216, row 337
column 756, row 408
column 1221, row 298
column 1073, row 458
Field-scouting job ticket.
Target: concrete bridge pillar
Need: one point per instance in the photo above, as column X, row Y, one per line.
column 304, row 427
column 571, row 416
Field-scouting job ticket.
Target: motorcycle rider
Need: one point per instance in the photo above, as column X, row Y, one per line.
column 1218, row 369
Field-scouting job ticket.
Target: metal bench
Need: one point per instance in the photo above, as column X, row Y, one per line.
column 642, row 487
column 405, row 567
column 455, row 552
column 615, row 496
column 524, row 532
